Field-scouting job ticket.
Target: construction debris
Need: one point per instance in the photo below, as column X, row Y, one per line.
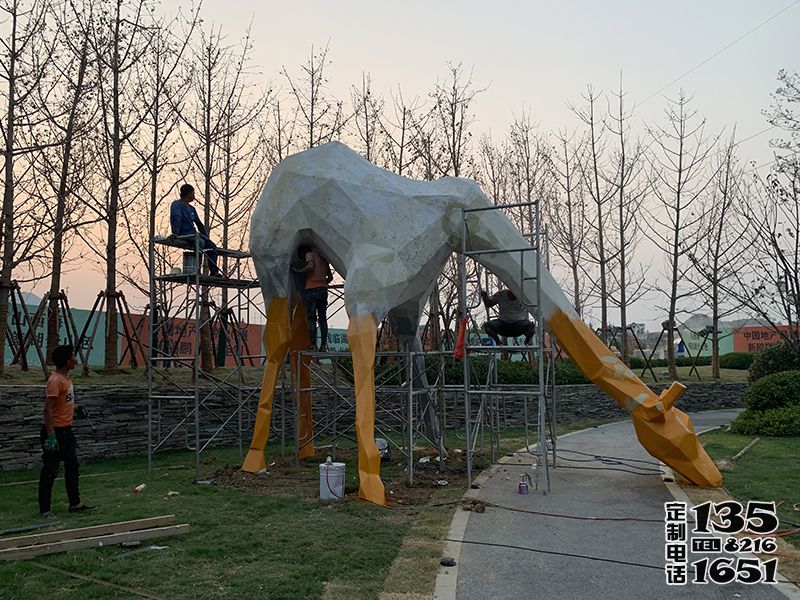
column 90, row 537
column 741, row 452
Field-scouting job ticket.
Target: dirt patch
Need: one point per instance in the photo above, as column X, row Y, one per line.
column 283, row 478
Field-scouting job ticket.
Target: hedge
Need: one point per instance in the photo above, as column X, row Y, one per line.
column 508, row 372
column 774, row 391
column 777, row 358
column 783, row 421
column 737, row 360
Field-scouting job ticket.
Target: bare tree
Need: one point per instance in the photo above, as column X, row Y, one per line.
column 163, row 87
column 120, row 34
column 443, row 140
column 530, row 167
column 680, row 176
column 226, row 144
column 367, row 117
column 321, row 115
column 242, row 165
column 718, row 249
column 494, row 171
column 452, row 110
column 630, row 193
column 566, row 216
column 769, row 282
column 398, row 134
column 594, row 169
column 65, row 168
column 23, row 69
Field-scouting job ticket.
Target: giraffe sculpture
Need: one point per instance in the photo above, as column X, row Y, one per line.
column 390, row 237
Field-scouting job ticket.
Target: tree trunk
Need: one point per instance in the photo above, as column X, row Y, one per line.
column 206, row 355
column 53, row 328
column 8, row 196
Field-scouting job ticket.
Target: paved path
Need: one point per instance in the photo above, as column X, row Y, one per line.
column 562, row 567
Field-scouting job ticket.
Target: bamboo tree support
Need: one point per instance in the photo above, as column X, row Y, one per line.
column 66, row 318
column 129, row 332
column 649, row 358
column 19, row 309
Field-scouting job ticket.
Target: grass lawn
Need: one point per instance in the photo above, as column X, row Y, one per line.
column 725, row 375
column 767, row 472
column 244, row 543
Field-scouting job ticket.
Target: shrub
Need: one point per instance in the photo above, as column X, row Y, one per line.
column 777, row 358
column 685, row 361
column 737, row 360
column 783, row 421
column 774, row 391
column 680, row 361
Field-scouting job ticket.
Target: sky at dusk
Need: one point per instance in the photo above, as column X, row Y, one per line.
column 529, row 54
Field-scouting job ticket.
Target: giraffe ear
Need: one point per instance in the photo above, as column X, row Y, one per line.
column 669, row 396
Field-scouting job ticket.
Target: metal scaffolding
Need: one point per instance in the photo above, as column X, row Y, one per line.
column 204, row 302
column 489, row 391
column 398, row 392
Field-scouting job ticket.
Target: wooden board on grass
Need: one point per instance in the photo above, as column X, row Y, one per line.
column 92, row 542
column 85, row 532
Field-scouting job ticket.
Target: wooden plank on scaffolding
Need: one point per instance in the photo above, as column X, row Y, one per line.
column 93, row 542
column 86, row 532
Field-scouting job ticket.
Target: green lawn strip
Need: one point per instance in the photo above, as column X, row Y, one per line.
column 725, row 375
column 241, row 545
column 417, row 562
column 767, row 472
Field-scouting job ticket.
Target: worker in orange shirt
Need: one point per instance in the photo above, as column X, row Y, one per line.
column 58, row 440
column 315, row 295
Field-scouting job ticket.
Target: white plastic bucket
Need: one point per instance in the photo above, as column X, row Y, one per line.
column 331, row 481
column 189, row 263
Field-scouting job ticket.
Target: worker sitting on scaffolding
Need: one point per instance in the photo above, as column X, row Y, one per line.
column 512, row 319
column 183, row 219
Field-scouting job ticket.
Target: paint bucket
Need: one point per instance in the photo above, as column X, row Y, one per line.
column 189, row 263
column 331, row 480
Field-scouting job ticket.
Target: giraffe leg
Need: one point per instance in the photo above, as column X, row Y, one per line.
column 301, row 341
column 276, row 343
column 361, row 335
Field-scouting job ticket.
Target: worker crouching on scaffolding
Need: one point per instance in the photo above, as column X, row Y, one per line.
column 183, row 219
column 512, row 319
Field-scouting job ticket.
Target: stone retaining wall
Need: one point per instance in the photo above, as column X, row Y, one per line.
column 119, row 416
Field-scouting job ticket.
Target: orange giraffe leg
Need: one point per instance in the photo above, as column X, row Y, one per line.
column 301, row 341
column 361, row 335
column 276, row 343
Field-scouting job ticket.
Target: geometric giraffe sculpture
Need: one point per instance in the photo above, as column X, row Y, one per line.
column 390, row 237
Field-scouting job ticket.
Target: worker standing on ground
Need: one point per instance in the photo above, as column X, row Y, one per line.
column 512, row 320
column 315, row 295
column 58, row 440
column 183, row 219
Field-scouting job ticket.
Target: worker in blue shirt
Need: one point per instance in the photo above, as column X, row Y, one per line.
column 183, row 218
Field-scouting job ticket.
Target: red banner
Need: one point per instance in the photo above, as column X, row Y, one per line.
column 756, row 339
column 181, row 333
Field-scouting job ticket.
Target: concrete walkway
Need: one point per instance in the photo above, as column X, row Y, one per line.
column 514, row 555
